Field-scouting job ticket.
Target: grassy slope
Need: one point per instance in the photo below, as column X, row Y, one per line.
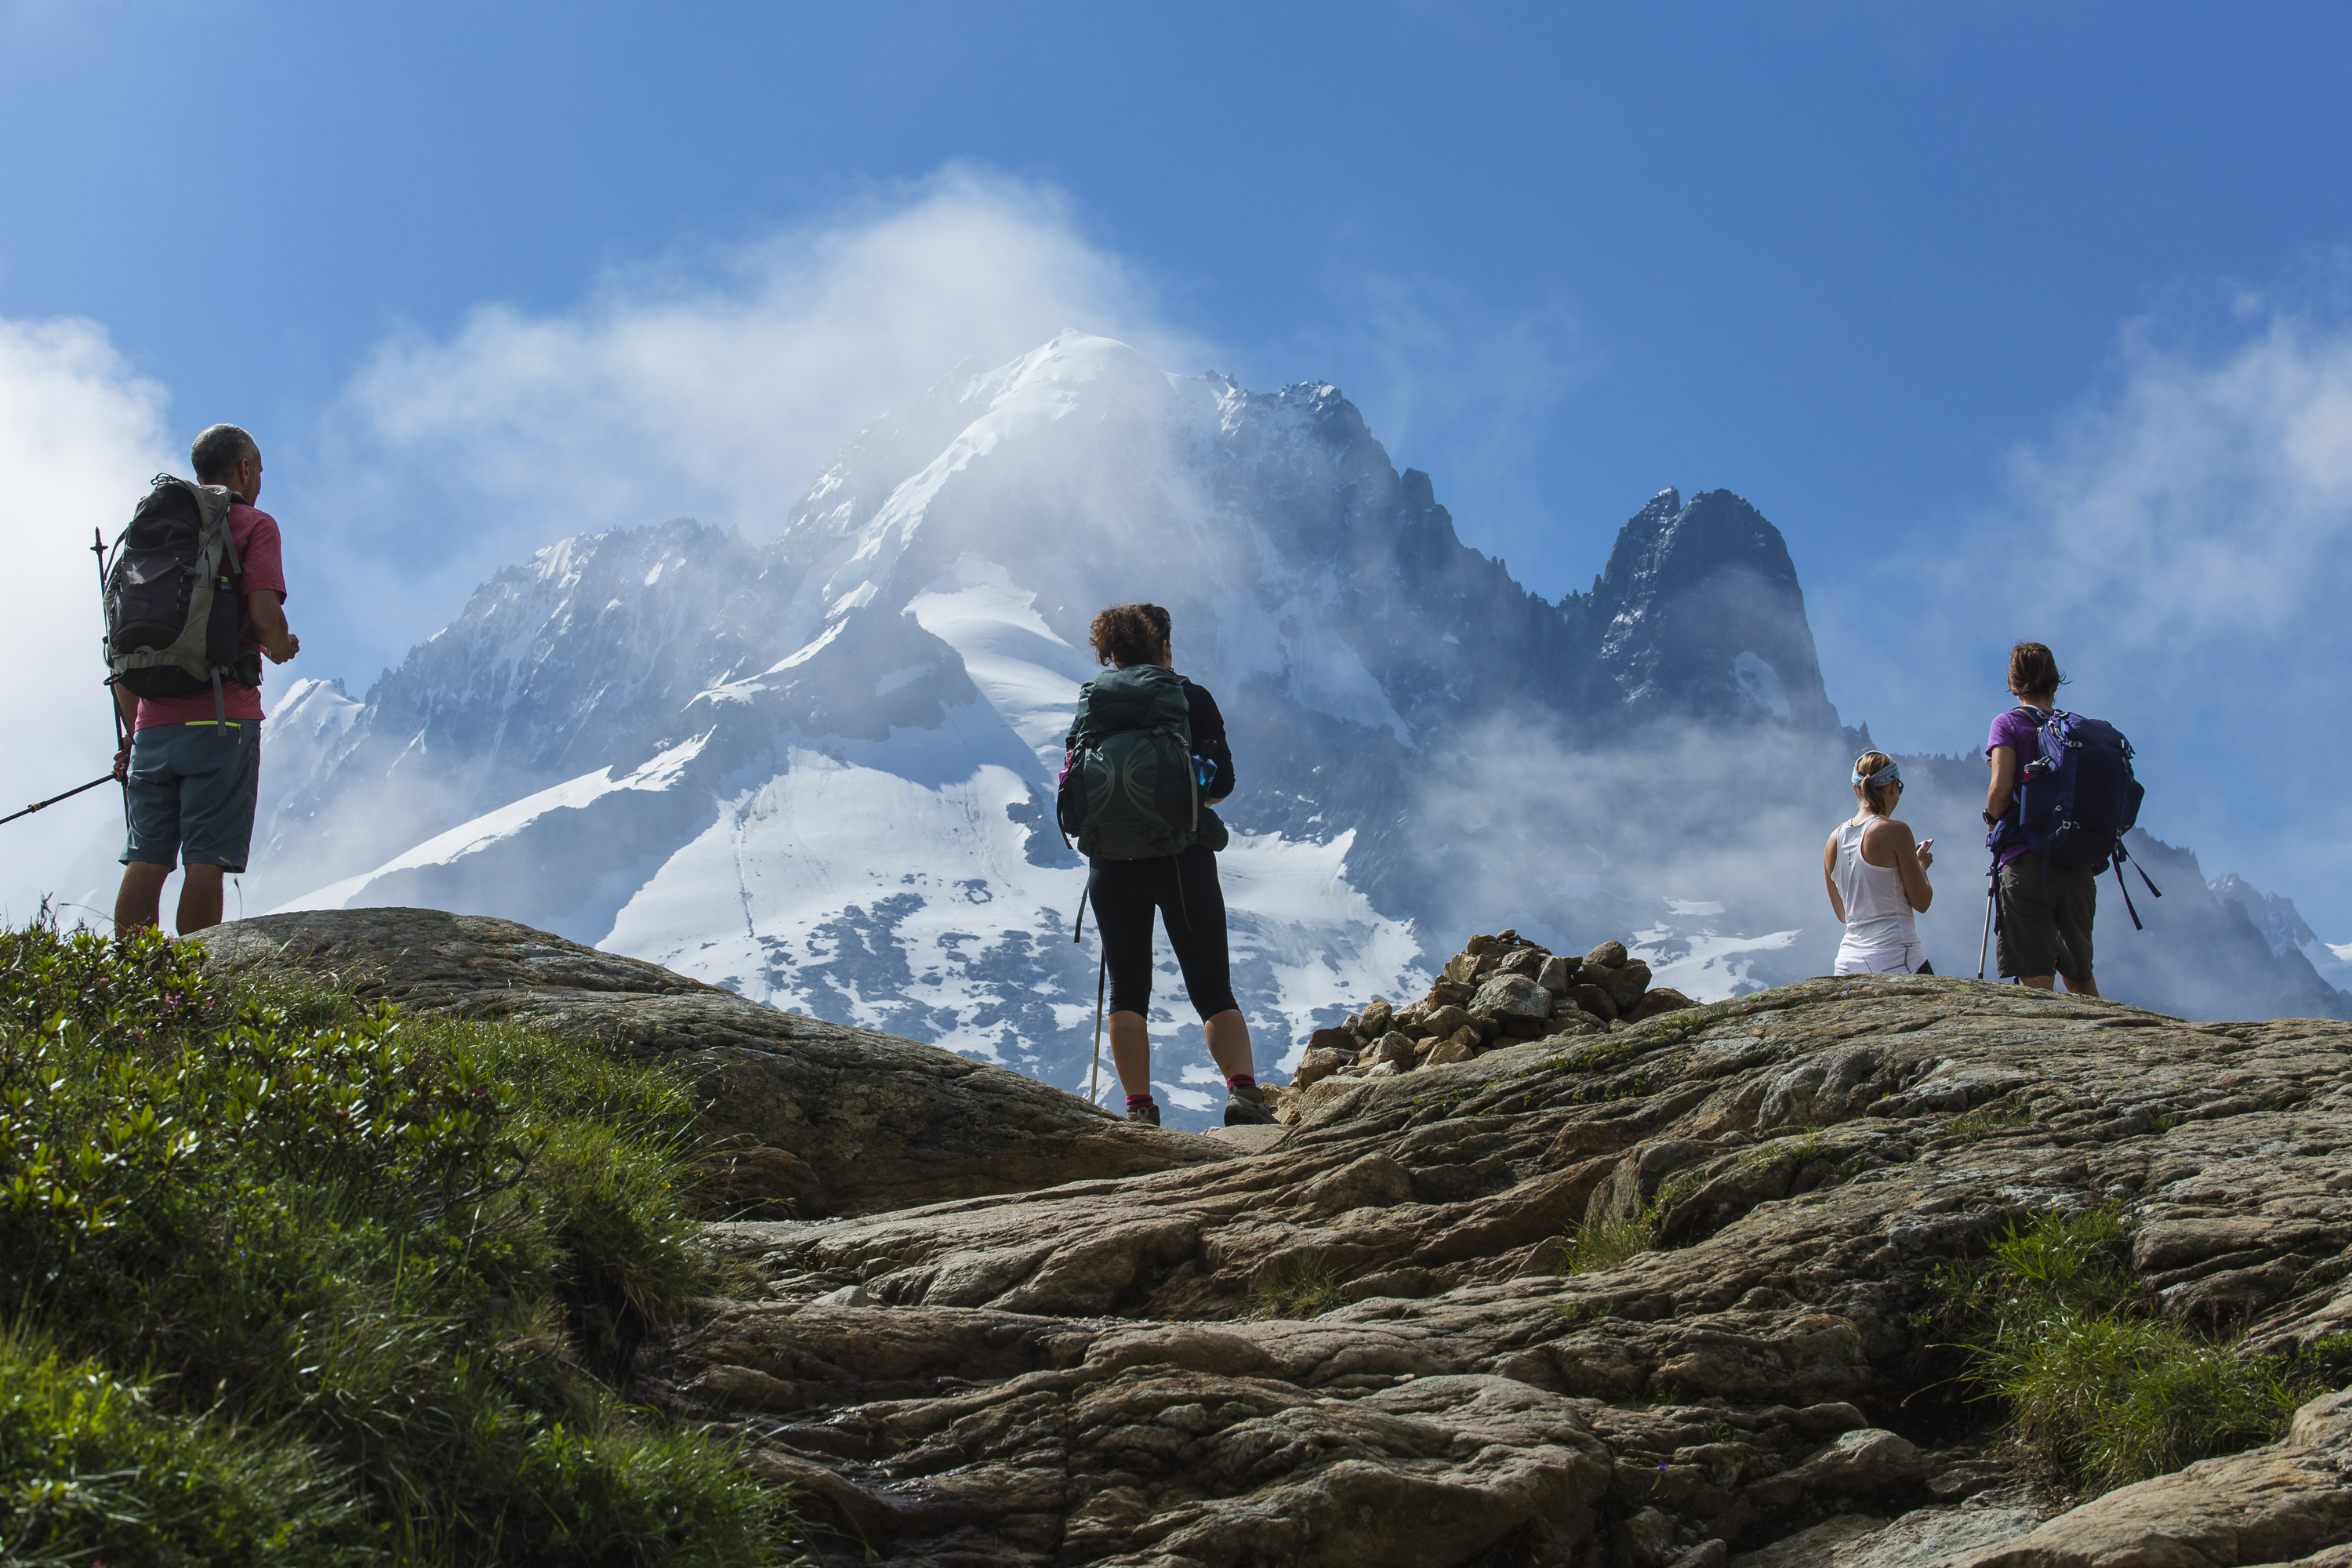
column 289, row 1280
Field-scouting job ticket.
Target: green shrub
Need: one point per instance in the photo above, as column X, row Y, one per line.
column 1299, row 1286
column 2099, row 1388
column 1590, row 1248
column 377, row 1264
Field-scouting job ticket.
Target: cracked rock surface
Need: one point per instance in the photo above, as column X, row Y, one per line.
column 1088, row 1375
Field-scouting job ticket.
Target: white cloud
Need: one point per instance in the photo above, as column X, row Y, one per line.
column 2213, row 494
column 80, row 433
column 715, row 390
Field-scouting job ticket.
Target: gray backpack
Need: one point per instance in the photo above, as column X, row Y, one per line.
column 1130, row 793
column 175, row 624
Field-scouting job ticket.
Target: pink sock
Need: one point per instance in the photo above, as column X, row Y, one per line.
column 1135, row 1099
column 1240, row 1080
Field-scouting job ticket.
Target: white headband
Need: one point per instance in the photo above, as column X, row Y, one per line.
column 1888, row 774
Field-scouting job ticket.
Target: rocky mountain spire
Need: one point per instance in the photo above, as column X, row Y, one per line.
column 1698, row 614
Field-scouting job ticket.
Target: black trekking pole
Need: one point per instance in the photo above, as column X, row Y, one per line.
column 1992, row 888
column 107, row 777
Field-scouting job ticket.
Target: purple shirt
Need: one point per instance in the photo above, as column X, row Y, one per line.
column 2016, row 729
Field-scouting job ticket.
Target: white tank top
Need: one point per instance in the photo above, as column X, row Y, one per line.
column 1880, row 934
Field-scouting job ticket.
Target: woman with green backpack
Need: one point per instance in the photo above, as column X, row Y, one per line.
column 1145, row 762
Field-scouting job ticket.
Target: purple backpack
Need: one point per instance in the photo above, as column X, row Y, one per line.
column 2078, row 799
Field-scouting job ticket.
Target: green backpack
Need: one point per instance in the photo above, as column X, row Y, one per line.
column 1130, row 792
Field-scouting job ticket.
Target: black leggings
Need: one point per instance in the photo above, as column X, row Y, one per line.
column 1184, row 890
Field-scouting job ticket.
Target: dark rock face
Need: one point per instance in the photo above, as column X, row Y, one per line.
column 815, row 1117
column 1698, row 614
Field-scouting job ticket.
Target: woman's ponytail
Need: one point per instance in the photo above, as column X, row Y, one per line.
column 1875, row 774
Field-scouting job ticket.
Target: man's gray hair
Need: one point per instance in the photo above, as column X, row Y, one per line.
column 218, row 449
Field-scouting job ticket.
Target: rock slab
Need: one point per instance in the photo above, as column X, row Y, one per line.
column 859, row 1122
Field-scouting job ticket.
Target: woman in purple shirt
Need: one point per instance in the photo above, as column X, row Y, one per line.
column 2046, row 911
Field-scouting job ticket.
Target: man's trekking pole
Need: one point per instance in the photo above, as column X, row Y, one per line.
column 107, row 777
column 1992, row 887
column 113, row 708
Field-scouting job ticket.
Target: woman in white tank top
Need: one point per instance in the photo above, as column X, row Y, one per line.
column 1877, row 876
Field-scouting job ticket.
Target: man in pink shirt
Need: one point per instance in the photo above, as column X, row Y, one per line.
column 192, row 771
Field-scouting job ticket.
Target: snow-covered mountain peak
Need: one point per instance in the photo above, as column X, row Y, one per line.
column 821, row 770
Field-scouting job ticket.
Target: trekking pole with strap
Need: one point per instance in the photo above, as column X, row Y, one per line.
column 107, row 777
column 1102, row 974
column 1992, row 891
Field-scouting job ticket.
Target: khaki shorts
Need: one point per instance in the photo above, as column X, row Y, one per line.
column 2045, row 924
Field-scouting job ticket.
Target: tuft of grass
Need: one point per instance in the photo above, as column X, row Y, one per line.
column 2114, row 1399
column 1590, row 1248
column 2099, row 1388
column 1299, row 1286
column 294, row 1278
column 1985, row 1121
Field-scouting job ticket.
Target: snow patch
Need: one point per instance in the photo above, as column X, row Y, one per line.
column 661, row 773
column 1029, row 674
column 1713, row 969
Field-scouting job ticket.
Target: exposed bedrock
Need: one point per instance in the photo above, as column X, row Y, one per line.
column 1091, row 1373
column 804, row 1117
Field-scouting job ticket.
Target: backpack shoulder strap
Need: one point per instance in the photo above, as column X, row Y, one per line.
column 214, row 504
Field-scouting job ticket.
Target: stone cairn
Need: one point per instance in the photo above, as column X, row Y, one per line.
column 1499, row 991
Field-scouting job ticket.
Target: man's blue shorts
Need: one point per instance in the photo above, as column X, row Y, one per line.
column 192, row 790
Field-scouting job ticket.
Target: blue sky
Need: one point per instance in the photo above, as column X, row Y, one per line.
column 1938, row 289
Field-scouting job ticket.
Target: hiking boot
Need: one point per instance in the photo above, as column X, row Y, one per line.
column 1146, row 1114
column 1246, row 1107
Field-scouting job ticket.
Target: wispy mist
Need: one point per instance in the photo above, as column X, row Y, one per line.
column 1576, row 840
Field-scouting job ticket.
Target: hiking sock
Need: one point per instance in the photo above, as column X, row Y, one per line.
column 1133, row 1101
column 1240, row 1080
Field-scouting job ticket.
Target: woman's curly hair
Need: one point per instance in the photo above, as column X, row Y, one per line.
column 1129, row 633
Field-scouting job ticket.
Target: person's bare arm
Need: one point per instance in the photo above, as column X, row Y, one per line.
column 1911, row 860
column 2003, row 788
column 267, row 614
column 1829, row 877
